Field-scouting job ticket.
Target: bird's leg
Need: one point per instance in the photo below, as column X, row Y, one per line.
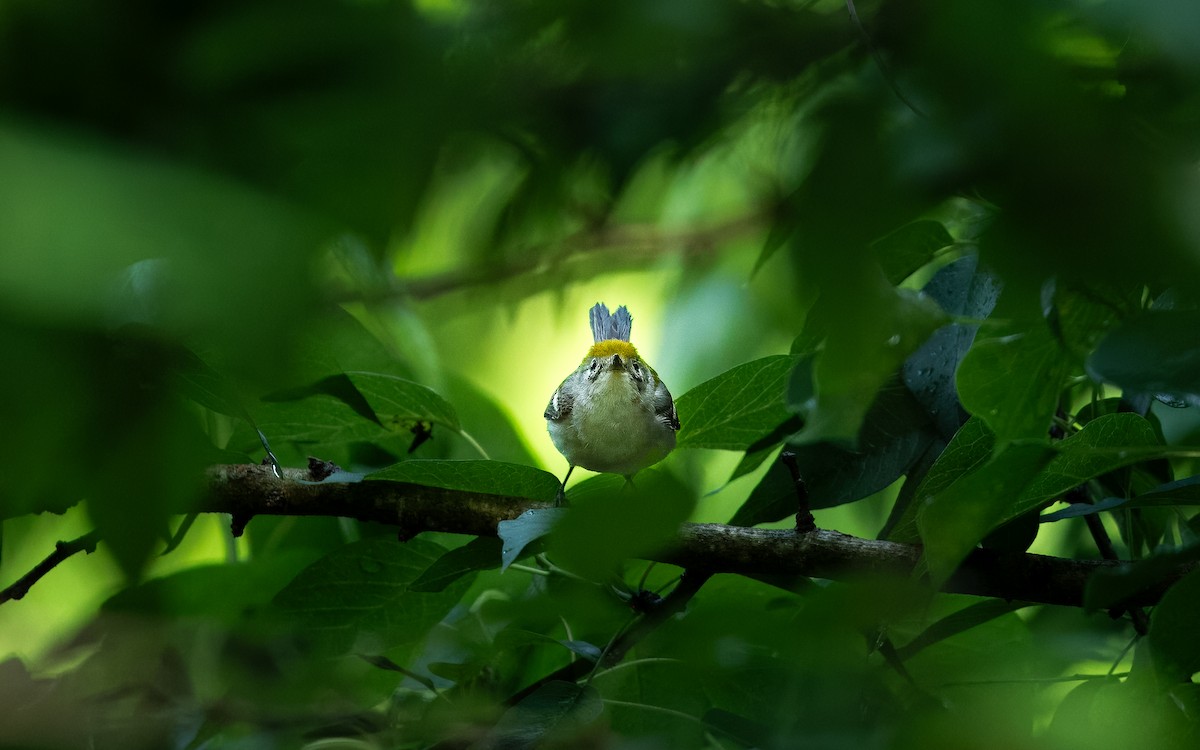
column 561, row 498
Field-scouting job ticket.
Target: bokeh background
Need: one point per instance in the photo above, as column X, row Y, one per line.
column 441, row 189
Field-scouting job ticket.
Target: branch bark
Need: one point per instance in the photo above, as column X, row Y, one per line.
column 246, row 491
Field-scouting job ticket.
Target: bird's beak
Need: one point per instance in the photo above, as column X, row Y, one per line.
column 616, row 362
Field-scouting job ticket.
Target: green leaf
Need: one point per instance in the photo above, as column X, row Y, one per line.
column 206, row 386
column 221, row 592
column 894, row 434
column 598, row 534
column 488, row 477
column 401, row 403
column 961, row 289
column 555, row 713
column 957, row 622
column 1104, row 444
column 1173, row 630
column 1157, row 352
column 359, row 597
column 969, row 449
column 909, row 248
column 736, row 408
column 772, row 499
column 525, row 529
column 1013, row 382
column 315, row 419
column 481, row 553
column 868, row 331
column 954, row 520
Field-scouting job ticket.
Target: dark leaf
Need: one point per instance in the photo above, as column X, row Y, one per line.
column 359, row 597
column 957, row 622
column 554, row 712
column 962, row 289
column 1156, row 352
column 910, row 247
column 1173, row 640
column 481, row 553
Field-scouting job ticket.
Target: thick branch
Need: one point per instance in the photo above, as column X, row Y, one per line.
column 246, row 491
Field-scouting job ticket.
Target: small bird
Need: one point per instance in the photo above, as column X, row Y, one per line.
column 612, row 414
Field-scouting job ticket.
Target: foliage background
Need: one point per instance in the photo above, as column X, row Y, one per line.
column 289, row 191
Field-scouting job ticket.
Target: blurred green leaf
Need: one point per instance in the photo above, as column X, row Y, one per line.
column 869, row 330
column 907, row 249
column 738, row 728
column 223, row 592
column 969, row 449
column 1156, row 352
column 896, row 430
column 772, row 499
column 957, row 622
column 1172, row 634
column 596, row 535
column 359, row 597
column 490, row 477
column 736, row 408
column 555, row 713
column 1013, row 382
column 955, row 519
column 1111, row 587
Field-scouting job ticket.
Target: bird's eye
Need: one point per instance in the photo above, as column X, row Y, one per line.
column 637, row 370
column 595, row 363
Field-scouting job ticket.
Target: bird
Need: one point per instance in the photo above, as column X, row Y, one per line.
column 613, row 413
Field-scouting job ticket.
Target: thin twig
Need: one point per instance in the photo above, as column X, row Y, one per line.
column 671, row 605
column 62, row 551
column 804, row 517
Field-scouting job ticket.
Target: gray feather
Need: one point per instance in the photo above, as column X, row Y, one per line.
column 607, row 326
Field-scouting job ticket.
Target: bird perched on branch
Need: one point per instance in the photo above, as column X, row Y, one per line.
column 613, row 414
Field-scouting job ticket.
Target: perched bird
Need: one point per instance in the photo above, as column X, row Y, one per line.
column 612, row 414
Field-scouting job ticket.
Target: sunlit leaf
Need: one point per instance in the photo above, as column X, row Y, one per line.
column 400, row 403
column 736, row 408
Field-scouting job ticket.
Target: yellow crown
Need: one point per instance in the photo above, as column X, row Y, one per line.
column 609, row 347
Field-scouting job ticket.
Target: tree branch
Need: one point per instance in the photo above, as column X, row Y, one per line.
column 62, row 551
column 246, row 491
column 614, row 246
